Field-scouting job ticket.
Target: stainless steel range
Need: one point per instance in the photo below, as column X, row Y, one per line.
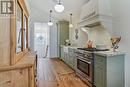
column 85, row 64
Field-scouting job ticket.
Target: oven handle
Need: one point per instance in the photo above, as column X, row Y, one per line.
column 85, row 61
column 81, row 57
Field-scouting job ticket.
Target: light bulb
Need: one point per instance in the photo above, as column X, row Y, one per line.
column 59, row 8
column 50, row 23
column 71, row 25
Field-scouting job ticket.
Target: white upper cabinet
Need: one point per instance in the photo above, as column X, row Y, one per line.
column 89, row 10
column 95, row 7
column 95, row 13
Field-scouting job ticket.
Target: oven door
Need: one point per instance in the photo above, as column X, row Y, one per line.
column 84, row 69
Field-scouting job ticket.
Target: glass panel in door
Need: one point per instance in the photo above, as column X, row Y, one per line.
column 18, row 29
column 25, row 32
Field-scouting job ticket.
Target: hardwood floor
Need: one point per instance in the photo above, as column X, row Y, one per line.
column 55, row 73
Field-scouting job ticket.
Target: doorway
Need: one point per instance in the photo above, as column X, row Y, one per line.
column 41, row 39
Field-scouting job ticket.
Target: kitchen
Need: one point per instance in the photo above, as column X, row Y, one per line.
column 95, row 47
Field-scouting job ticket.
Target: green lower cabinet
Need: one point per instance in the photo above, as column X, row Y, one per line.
column 69, row 57
column 64, row 59
column 72, row 61
column 100, row 72
column 62, row 53
column 109, row 71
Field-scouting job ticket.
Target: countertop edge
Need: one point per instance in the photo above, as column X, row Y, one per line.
column 110, row 54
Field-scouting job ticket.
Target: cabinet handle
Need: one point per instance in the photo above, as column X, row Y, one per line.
column 21, row 71
column 8, row 81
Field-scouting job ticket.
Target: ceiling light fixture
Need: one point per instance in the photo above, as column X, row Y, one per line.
column 59, row 7
column 50, row 23
column 70, row 24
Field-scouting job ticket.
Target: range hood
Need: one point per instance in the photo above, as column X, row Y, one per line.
column 96, row 13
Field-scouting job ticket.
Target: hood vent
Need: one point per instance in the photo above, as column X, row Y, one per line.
column 93, row 25
column 96, row 13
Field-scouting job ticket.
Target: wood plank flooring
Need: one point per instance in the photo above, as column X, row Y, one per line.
column 55, row 73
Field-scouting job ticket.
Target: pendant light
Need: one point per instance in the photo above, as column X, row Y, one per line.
column 70, row 24
column 59, row 7
column 50, row 23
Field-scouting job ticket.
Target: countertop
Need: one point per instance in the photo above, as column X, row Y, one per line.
column 73, row 47
column 101, row 53
column 109, row 53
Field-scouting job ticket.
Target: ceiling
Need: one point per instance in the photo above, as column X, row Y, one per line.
column 40, row 9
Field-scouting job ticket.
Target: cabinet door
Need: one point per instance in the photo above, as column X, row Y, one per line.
column 71, row 59
column 20, row 78
column 64, row 56
column 67, row 58
column 99, row 79
column 74, row 61
column 100, row 71
column 14, row 78
column 63, row 28
column 5, row 79
column 62, row 53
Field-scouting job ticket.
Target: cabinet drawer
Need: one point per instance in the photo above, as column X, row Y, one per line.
column 14, row 78
column 99, row 61
column 5, row 79
column 20, row 78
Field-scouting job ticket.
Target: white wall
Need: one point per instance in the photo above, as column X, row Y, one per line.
column 121, row 26
column 83, row 37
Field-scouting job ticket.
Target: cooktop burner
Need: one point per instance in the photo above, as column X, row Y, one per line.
column 92, row 49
